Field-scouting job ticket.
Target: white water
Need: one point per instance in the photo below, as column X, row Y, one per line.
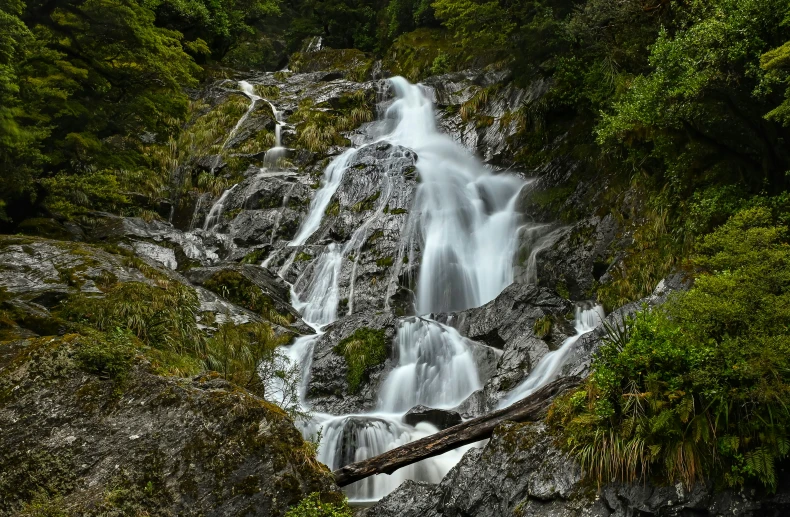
column 550, row 366
column 463, row 224
column 271, row 158
column 213, row 217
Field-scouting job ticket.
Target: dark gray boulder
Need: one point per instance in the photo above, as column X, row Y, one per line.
column 441, row 418
column 521, row 472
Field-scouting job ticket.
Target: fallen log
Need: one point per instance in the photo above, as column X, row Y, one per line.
column 528, row 409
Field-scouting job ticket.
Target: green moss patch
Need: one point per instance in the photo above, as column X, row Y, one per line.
column 362, row 350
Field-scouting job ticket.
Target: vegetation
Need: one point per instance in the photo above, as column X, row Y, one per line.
column 312, row 506
column 699, row 388
column 363, row 349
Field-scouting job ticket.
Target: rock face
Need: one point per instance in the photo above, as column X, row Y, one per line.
column 141, row 443
column 508, row 323
column 520, row 472
column 328, row 390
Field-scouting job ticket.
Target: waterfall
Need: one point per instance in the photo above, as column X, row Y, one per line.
column 464, row 224
column 271, row 158
column 213, row 217
column 550, row 366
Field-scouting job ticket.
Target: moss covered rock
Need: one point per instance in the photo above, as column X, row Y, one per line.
column 90, row 440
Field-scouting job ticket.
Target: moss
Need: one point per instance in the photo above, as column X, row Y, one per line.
column 333, row 208
column 542, row 327
column 398, row 211
column 366, row 204
column 255, row 257
column 378, row 234
column 362, row 350
column 385, row 262
column 562, row 289
column 303, row 257
column 35, row 476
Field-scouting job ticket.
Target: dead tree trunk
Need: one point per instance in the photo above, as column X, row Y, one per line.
column 528, row 409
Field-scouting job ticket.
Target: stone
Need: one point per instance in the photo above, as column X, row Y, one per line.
column 441, row 418
column 148, row 443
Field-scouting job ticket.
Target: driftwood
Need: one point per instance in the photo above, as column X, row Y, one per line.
column 528, row 409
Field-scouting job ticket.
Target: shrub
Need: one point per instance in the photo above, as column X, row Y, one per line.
column 699, row 388
column 311, row 506
column 363, row 349
column 107, row 354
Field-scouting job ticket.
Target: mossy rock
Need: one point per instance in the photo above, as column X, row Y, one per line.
column 353, row 64
column 363, row 349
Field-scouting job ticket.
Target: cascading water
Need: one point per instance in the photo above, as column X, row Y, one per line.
column 213, row 217
column 463, row 224
column 550, row 366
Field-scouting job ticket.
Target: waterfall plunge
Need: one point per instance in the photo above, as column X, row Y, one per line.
column 464, row 225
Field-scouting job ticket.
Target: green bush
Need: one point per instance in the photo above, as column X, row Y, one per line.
column 107, row 354
column 363, row 349
column 311, row 506
column 699, row 388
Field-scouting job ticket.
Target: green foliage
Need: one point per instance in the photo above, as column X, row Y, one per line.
column 312, row 506
column 108, row 354
column 363, row 349
column 700, row 106
column 248, row 356
column 699, row 387
column 160, row 316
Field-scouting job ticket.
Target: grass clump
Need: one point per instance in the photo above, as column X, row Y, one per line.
column 161, row 316
column 699, row 388
column 542, row 327
column 319, row 126
column 363, row 349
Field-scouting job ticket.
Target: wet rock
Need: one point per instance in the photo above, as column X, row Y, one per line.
column 143, row 444
column 441, row 418
column 521, row 472
column 366, row 219
column 411, row 499
column 578, row 259
column 508, row 323
column 268, row 290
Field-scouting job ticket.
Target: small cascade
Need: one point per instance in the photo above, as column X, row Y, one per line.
column 249, row 91
column 435, row 368
column 273, row 157
column 333, row 176
column 213, row 217
column 550, row 366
